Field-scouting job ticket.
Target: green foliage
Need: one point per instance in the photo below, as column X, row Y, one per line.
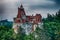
column 52, row 29
column 29, row 37
column 7, row 33
column 52, row 26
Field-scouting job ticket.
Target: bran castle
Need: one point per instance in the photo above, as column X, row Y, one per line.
column 28, row 23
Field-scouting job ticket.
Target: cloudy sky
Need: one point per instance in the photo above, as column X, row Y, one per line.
column 31, row 7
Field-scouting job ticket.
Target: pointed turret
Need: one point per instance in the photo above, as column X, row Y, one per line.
column 21, row 11
column 21, row 7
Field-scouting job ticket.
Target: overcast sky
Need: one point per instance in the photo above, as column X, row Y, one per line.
column 31, row 7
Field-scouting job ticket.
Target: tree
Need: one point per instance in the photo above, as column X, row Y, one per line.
column 52, row 29
column 49, row 17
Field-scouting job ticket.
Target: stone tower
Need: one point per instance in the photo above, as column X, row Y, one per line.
column 21, row 18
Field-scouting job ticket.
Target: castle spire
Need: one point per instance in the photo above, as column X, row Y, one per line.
column 20, row 11
column 21, row 6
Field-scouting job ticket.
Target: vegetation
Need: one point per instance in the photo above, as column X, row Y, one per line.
column 52, row 26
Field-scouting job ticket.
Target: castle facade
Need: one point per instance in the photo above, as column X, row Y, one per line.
column 28, row 23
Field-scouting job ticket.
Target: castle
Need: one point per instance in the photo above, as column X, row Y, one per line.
column 28, row 23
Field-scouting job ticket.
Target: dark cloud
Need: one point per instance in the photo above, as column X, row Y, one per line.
column 54, row 6
column 43, row 7
column 57, row 2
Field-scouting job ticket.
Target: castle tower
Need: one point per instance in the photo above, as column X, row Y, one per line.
column 21, row 11
column 21, row 18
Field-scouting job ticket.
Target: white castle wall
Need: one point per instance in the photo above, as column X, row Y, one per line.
column 27, row 27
